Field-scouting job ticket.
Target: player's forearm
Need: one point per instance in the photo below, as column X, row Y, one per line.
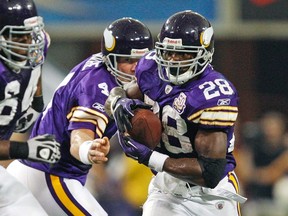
column 38, row 100
column 39, row 87
column 4, row 150
column 187, row 169
column 13, row 150
column 87, row 149
column 78, row 137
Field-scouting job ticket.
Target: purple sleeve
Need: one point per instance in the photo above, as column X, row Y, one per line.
column 213, row 103
column 88, row 109
column 147, row 76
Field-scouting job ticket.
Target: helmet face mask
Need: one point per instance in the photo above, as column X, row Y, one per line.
column 192, row 38
column 112, row 60
column 22, row 39
column 125, row 39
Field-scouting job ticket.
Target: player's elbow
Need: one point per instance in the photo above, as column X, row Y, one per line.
column 212, row 170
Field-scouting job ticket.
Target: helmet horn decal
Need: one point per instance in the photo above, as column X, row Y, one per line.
column 110, row 41
column 206, row 36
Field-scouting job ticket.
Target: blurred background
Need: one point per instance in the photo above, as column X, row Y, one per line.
column 251, row 44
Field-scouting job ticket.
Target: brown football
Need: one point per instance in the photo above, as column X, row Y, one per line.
column 146, row 128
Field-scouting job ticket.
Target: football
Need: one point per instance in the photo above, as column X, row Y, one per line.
column 146, row 128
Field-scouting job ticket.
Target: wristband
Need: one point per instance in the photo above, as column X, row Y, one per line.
column 38, row 103
column 83, row 152
column 157, row 160
column 18, row 150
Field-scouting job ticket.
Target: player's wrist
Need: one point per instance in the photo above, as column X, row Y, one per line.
column 18, row 150
column 84, row 152
column 157, row 160
column 38, row 103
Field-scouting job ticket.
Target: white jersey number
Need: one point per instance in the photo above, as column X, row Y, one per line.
column 211, row 91
column 176, row 131
column 10, row 101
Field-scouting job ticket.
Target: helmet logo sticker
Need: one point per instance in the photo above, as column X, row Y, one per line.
column 109, row 39
column 33, row 21
column 139, row 52
column 206, row 36
column 172, row 42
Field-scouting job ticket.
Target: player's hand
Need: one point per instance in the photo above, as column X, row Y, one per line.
column 44, row 148
column 98, row 151
column 26, row 120
column 115, row 94
column 124, row 111
column 134, row 149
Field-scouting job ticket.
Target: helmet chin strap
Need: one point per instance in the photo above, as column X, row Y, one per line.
column 16, row 65
column 182, row 78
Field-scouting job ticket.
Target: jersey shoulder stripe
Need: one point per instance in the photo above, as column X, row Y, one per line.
column 220, row 115
column 84, row 112
column 86, row 115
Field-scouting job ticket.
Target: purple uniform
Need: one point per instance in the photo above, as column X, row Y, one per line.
column 78, row 103
column 209, row 102
column 16, row 95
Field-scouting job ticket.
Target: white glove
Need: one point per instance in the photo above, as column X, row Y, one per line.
column 44, row 148
column 26, row 120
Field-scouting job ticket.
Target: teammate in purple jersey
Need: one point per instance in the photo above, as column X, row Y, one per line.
column 194, row 162
column 77, row 118
column 23, row 47
column 22, row 44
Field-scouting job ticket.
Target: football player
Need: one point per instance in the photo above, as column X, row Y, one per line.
column 198, row 106
column 23, row 42
column 77, row 117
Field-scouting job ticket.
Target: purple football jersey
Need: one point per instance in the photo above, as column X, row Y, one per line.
column 78, row 103
column 16, row 95
column 208, row 102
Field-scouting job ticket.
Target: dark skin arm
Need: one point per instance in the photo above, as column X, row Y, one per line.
column 4, row 149
column 39, row 87
column 209, row 144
